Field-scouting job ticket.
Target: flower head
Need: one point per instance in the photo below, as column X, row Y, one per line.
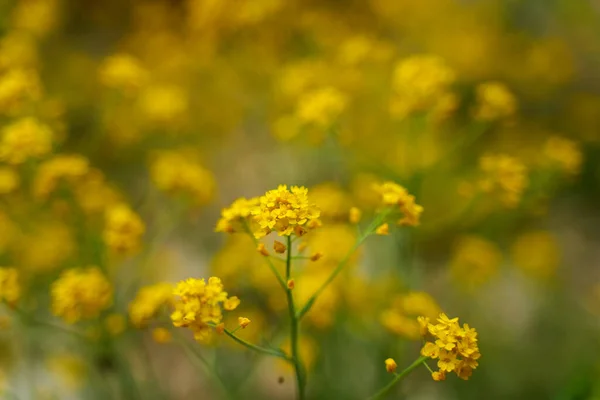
column 504, row 175
column 199, row 304
column 390, row 365
column 455, row 348
column 24, row 139
column 80, row 293
column 494, row 101
column 123, row 229
column 149, row 301
column 64, row 167
column 10, row 289
column 233, row 217
column 392, row 194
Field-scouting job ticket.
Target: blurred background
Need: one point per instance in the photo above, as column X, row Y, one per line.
column 487, row 111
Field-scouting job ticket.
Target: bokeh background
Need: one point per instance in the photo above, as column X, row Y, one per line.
column 487, row 111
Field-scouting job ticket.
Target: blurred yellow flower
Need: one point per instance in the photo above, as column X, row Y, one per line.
column 161, row 335
column 122, row 71
column 24, row 139
column 164, row 104
column 392, row 194
column 321, row 107
column 69, row 168
column 198, row 304
column 10, row 289
column 148, row 301
column 123, row 229
column 80, row 293
column 232, row 217
column 504, row 176
column 9, row 180
column 54, row 242
column 474, row 261
column 400, row 317
column 565, row 153
column 494, row 101
column 17, row 87
column 536, row 253
column 115, row 324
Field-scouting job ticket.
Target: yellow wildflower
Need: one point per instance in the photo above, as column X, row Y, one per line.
column 231, row 303
column 69, row 168
column 321, row 107
column 17, row 87
column 383, row 229
column 291, row 284
column 161, row 335
column 565, row 153
column 9, row 180
column 455, row 348
column 80, row 293
column 355, row 215
column 198, row 304
column 392, row 194
column 279, row 247
column 54, row 243
column 262, row 249
column 123, row 229
column 233, row 216
column 164, row 104
column 24, row 139
column 148, row 302
column 390, row 365
column 504, row 175
column 400, row 317
column 243, row 322
column 10, row 289
column 281, row 210
column 474, row 261
column 494, row 101
column 122, row 71
column 173, row 172
column 94, row 194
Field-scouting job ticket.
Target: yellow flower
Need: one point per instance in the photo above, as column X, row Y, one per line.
column 262, row 249
column 321, row 107
column 24, row 139
column 80, row 293
column 390, row 365
column 199, row 304
column 536, row 253
column 291, row 284
column 54, row 242
column 355, row 215
column 148, row 302
column 70, row 168
column 115, row 324
column 400, row 318
column 123, row 229
column 494, row 101
column 383, row 229
column 279, row 247
column 9, row 180
column 18, row 86
column 243, row 322
column 565, row 153
column 235, row 215
column 161, row 335
column 231, row 303
column 504, row 175
column 474, row 261
column 455, row 348
column 423, row 322
column 165, row 104
column 174, row 172
column 10, row 289
column 122, row 71
column 392, row 194
column 281, row 210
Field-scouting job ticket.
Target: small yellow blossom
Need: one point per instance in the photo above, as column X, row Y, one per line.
column 123, row 229
column 63, row 167
column 233, row 217
column 262, row 249
column 494, row 101
column 423, row 322
column 383, row 229
column 80, row 293
column 291, row 284
column 321, row 107
column 164, row 104
column 281, row 210
column 220, row 328
column 148, row 301
column 17, row 87
column 122, row 71
column 231, row 303
column 10, row 289
column 197, row 305
column 355, row 215
column 115, row 324
column 279, row 247
column 161, row 335
column 9, row 180
column 390, row 365
column 504, row 175
column 392, row 194
column 565, row 153
column 455, row 348
column 24, row 139
column 243, row 322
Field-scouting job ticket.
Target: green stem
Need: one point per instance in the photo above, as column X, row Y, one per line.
column 374, row 224
column 294, row 328
column 385, row 390
column 282, row 283
column 258, row 349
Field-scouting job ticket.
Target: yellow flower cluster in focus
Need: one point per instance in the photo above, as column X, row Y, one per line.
column 80, row 293
column 455, row 347
column 199, row 303
column 10, row 289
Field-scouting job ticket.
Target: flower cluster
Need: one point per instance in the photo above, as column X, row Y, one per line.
column 122, row 71
column 494, row 101
column 565, row 153
column 80, row 293
column 234, row 215
column 504, row 175
column 123, row 229
column 148, row 302
column 175, row 173
column 61, row 167
column 10, row 289
column 285, row 211
column 455, row 347
column 17, row 86
column 199, row 304
column 392, row 194
column 321, row 106
column 24, row 139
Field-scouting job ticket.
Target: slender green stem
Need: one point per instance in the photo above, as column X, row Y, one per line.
column 371, row 228
column 294, row 328
column 258, row 349
column 282, row 283
column 31, row 320
column 385, row 390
